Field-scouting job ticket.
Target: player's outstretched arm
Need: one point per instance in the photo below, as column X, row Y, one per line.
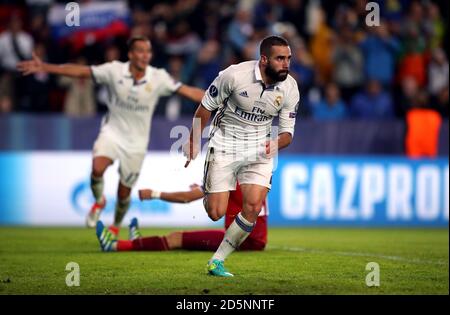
column 177, row 197
column 36, row 65
column 192, row 147
column 190, row 92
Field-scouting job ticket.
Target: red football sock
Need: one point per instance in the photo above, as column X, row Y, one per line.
column 152, row 243
column 202, row 240
column 114, row 230
column 124, row 245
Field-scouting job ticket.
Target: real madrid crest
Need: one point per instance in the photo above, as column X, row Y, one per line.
column 278, row 101
column 148, row 87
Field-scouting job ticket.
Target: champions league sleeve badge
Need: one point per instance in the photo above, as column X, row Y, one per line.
column 213, row 91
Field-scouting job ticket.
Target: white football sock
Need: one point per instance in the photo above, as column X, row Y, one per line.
column 121, row 209
column 236, row 233
column 97, row 188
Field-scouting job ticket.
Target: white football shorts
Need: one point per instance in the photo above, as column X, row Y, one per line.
column 130, row 163
column 221, row 171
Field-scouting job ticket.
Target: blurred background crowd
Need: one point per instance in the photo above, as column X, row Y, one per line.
column 345, row 68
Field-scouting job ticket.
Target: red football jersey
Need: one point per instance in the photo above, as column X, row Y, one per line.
column 235, row 206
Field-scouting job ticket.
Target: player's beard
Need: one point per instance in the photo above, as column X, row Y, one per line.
column 276, row 76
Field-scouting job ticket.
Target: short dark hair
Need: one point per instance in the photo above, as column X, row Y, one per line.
column 135, row 39
column 269, row 41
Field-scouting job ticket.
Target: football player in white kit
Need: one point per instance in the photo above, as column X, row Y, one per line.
column 248, row 96
column 134, row 89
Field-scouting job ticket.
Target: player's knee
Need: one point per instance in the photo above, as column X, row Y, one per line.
column 97, row 172
column 98, row 169
column 214, row 210
column 215, row 216
column 253, row 206
column 251, row 210
column 215, row 213
column 123, row 195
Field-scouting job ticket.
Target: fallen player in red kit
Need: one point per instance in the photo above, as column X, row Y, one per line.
column 208, row 240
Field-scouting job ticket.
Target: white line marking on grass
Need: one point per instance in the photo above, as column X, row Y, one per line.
column 359, row 254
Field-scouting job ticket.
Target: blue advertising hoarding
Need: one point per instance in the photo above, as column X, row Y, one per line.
column 52, row 188
column 361, row 191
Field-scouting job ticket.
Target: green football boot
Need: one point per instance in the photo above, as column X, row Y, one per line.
column 216, row 268
column 105, row 238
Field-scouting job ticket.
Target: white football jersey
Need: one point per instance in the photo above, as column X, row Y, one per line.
column 131, row 103
column 246, row 107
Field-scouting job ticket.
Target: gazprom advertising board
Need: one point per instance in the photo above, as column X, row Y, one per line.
column 360, row 191
column 52, row 188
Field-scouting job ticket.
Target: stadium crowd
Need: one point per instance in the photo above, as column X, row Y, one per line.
column 345, row 68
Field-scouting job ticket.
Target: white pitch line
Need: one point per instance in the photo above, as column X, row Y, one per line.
column 359, row 254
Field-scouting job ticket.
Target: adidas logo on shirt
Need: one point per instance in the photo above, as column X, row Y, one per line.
column 244, row 94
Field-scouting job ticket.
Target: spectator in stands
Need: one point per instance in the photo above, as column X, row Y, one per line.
column 322, row 44
column 266, row 13
column 240, row 30
column 331, row 107
column 438, row 71
column 434, row 25
column 208, row 64
column 348, row 64
column 408, row 90
column 182, row 40
column 80, row 99
column 251, row 48
column 413, row 65
column 402, row 53
column 38, row 28
column 15, row 45
column 423, row 127
column 440, row 102
column 413, row 35
column 302, row 65
column 36, row 92
column 380, row 51
column 173, row 106
column 372, row 103
column 38, row 7
column 412, row 62
column 294, row 12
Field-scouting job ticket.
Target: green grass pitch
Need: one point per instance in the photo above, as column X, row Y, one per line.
column 297, row 261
